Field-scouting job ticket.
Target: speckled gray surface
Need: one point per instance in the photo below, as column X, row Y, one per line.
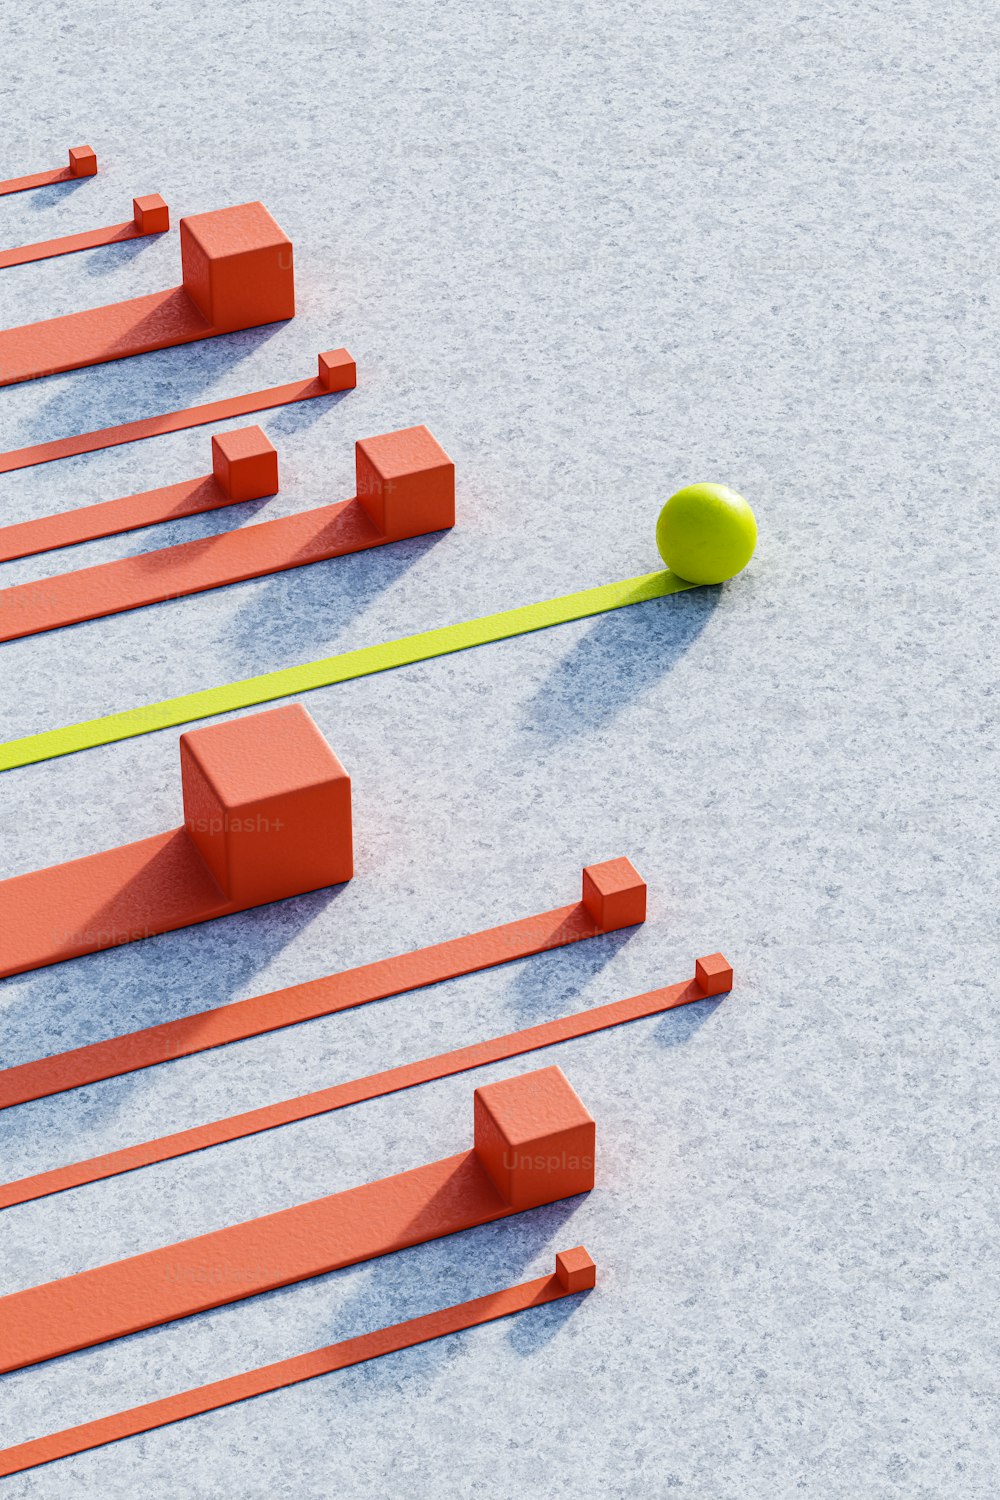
column 600, row 255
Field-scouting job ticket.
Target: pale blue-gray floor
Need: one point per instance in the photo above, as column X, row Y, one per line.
column 601, row 253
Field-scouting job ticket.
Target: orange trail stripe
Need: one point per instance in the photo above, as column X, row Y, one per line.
column 90, row 239
column 176, row 421
column 392, row 1080
column 36, row 180
column 284, row 1373
column 300, row 1002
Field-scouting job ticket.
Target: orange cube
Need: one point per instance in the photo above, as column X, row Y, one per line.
column 714, row 974
column 268, row 805
column 245, row 463
column 337, row 371
column 151, row 214
column 535, row 1138
column 406, row 482
column 575, row 1269
column 237, row 266
column 615, row 894
column 83, row 161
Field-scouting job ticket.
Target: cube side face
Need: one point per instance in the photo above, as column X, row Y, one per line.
column 713, row 974
column 406, row 483
column 237, row 266
column 83, row 161
column 268, row 806
column 150, row 214
column 535, row 1138
column 615, row 894
column 245, row 463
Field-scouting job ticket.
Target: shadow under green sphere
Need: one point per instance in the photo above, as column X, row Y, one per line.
column 706, row 533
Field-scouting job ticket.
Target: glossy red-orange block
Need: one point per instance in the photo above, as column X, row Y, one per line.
column 151, row 214
column 713, row 975
column 83, row 161
column 614, row 893
column 534, row 1137
column 406, row 482
column 575, row 1269
column 245, row 463
column 267, row 804
column 236, row 265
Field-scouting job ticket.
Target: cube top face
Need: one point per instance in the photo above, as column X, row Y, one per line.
column 250, row 760
column 714, row 974
column 245, row 463
column 337, row 370
column 614, row 893
column 406, row 482
column 267, row 804
column 534, row 1138
column 151, row 214
column 237, row 266
column 223, row 232
column 576, row 1269
column 83, row 161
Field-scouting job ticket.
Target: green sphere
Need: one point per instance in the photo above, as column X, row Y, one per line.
column 706, row 533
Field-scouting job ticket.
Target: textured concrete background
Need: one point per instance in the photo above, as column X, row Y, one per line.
column 601, row 253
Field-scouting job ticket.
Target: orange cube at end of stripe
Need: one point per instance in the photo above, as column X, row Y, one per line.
column 534, row 1137
column 236, row 265
column 406, row 483
column 713, row 975
column 267, row 805
column 615, row 894
column 245, row 463
column 83, row 161
column 151, row 214
column 576, row 1270
column 337, row 371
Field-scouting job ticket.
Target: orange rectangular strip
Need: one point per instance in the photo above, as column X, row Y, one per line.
column 300, row 1002
column 189, row 568
column 392, row 1080
column 344, row 378
column 189, row 497
column 285, row 1372
column 90, row 239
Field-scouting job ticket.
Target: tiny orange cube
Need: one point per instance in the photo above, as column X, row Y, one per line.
column 337, row 371
column 151, row 214
column 83, row 161
column 406, row 483
column 575, row 1269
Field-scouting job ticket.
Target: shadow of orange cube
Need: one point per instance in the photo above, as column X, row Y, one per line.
column 245, row 463
column 614, row 893
column 406, row 482
column 268, row 805
column 237, row 266
column 534, row 1137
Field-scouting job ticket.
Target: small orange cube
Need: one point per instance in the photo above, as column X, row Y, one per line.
column 615, row 894
column 236, row 265
column 151, row 214
column 337, row 371
column 714, row 974
column 83, row 161
column 576, row 1270
column 245, row 463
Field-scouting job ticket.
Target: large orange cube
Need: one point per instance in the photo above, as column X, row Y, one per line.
column 406, row 482
column 237, row 266
column 268, row 805
column 535, row 1138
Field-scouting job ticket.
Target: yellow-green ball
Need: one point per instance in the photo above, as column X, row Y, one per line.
column 706, row 533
